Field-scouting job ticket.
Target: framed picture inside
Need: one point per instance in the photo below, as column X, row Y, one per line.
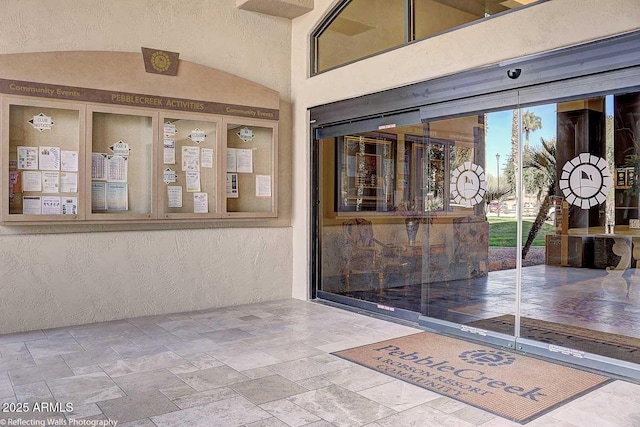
column 621, row 177
column 430, row 175
column 631, row 177
column 365, row 175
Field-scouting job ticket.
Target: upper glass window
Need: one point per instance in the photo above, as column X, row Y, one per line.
column 361, row 28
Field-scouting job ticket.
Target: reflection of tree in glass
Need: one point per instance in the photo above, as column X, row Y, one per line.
column 530, row 123
column 542, row 159
column 459, row 155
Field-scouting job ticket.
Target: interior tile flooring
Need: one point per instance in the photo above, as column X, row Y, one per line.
column 259, row 365
column 602, row 300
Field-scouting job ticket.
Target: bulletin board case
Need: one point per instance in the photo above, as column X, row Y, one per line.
column 191, row 147
column 149, row 148
column 42, row 159
column 120, row 178
column 249, row 176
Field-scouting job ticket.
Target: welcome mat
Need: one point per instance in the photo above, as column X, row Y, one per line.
column 611, row 345
column 510, row 385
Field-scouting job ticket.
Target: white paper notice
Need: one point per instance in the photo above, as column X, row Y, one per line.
column 15, row 183
column 31, row 205
column 28, row 158
column 117, row 169
column 200, row 203
column 68, row 182
column 232, row 185
column 51, row 205
column 41, row 122
column 232, row 161
column 193, row 181
column 170, row 129
column 174, row 195
column 49, row 158
column 169, row 151
column 31, row 181
column 121, row 148
column 246, row 134
column 169, row 176
column 69, row 161
column 69, row 205
column 98, row 196
column 245, row 161
column 263, row 185
column 207, row 158
column 117, row 197
column 99, row 166
column 197, row 136
column 190, row 158
column 51, row 182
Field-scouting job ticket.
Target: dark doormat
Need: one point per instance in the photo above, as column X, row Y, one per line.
column 611, row 345
column 507, row 384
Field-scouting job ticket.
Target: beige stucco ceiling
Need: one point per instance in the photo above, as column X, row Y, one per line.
column 283, row 8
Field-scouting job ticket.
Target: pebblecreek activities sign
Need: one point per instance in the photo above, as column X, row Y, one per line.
column 508, row 384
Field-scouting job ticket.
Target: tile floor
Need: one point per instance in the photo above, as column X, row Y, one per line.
column 602, row 300
column 260, row 365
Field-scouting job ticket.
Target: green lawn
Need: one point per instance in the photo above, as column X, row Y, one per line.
column 502, row 232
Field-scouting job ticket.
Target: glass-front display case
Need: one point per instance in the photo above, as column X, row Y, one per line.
column 188, row 165
column 98, row 163
column 42, row 161
column 250, row 168
column 121, row 161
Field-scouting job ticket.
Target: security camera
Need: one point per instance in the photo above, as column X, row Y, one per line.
column 514, row 73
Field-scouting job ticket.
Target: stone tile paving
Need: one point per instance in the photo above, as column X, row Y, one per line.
column 259, row 365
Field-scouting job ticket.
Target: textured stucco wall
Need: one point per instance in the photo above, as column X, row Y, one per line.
column 87, row 277
column 52, row 276
column 547, row 26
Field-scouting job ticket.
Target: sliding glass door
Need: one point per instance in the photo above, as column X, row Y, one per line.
column 405, row 214
column 471, row 274
column 558, row 226
column 584, row 299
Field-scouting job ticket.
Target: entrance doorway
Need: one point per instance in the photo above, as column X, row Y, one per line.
column 516, row 225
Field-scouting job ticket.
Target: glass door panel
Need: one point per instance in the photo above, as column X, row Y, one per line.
column 404, row 218
column 466, row 276
column 580, row 171
column 375, row 190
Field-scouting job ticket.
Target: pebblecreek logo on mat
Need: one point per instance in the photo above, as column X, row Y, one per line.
column 455, row 378
column 487, row 357
column 511, row 385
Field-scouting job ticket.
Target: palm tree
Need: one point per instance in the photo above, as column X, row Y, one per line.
column 514, row 145
column 530, row 123
column 510, row 169
column 543, row 160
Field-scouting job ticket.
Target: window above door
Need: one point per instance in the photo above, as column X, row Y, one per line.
column 357, row 29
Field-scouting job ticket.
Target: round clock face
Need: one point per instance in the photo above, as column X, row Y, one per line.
column 468, row 184
column 585, row 180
